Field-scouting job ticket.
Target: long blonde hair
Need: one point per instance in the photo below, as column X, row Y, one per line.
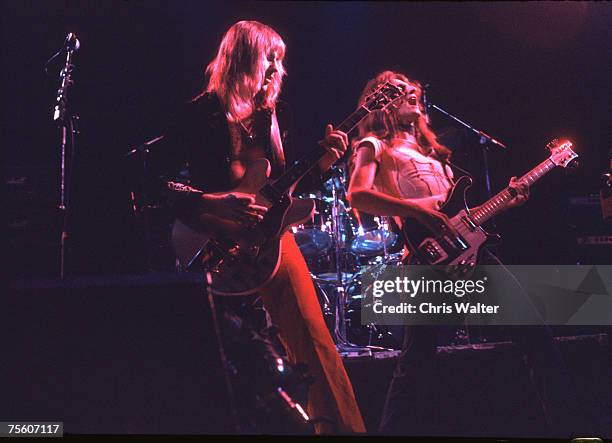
column 384, row 124
column 237, row 73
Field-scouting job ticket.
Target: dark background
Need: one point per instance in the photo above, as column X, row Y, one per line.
column 523, row 72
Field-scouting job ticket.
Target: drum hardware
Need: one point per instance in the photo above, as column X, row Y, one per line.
column 336, row 244
column 337, row 186
column 324, row 300
column 347, row 325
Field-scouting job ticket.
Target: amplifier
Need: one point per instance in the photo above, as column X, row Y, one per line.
column 594, row 240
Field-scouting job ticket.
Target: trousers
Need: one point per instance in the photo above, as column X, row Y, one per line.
column 292, row 304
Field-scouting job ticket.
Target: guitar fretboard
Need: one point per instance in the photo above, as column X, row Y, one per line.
column 303, row 165
column 499, row 202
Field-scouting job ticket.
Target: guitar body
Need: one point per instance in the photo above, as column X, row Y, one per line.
column 243, row 266
column 429, row 250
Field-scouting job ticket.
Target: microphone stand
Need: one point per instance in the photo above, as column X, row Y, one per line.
column 142, row 149
column 140, row 200
column 484, row 140
column 67, row 123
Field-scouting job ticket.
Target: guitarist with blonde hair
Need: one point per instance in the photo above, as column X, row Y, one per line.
column 399, row 169
column 223, row 131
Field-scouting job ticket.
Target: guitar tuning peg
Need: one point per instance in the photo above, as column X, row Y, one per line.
column 552, row 143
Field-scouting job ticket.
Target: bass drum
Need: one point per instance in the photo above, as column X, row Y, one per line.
column 382, row 336
column 392, row 336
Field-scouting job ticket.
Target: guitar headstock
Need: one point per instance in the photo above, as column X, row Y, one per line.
column 561, row 153
column 384, row 96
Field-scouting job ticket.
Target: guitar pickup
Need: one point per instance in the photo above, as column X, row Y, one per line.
column 468, row 222
column 461, row 244
column 271, row 194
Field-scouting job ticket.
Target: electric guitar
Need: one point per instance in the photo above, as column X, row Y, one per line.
column 463, row 253
column 242, row 267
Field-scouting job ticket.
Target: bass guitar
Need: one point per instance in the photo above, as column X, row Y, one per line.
column 463, row 253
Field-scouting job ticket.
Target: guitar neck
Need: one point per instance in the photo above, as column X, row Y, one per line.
column 499, row 202
column 306, row 163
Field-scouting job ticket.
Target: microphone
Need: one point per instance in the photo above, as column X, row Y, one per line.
column 72, row 43
column 425, row 102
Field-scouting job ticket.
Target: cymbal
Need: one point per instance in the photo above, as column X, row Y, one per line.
column 332, row 277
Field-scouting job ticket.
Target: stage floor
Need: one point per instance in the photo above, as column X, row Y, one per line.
column 483, row 390
column 136, row 355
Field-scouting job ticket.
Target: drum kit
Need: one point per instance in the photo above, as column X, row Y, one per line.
column 338, row 243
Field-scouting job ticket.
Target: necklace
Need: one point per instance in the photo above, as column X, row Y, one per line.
column 248, row 131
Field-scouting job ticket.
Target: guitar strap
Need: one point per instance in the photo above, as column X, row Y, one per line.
column 460, row 169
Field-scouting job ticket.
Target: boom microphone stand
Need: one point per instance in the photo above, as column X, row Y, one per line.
column 485, row 140
column 141, row 205
column 67, row 123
